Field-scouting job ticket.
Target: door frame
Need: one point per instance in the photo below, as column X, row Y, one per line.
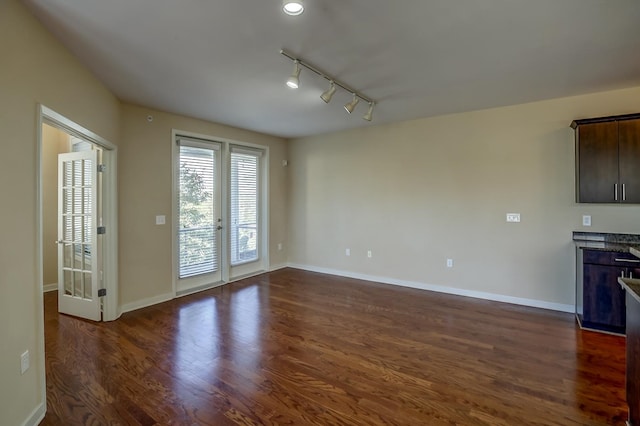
column 110, row 308
column 227, row 276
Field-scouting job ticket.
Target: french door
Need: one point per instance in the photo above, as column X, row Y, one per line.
column 199, row 214
column 219, row 232
column 77, row 235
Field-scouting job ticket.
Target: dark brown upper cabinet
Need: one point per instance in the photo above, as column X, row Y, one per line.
column 608, row 159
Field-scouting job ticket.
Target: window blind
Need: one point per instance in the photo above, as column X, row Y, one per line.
column 197, row 236
column 244, row 201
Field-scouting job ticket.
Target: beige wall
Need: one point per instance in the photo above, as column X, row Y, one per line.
column 35, row 69
column 145, row 181
column 54, row 142
column 419, row 192
column 414, row 193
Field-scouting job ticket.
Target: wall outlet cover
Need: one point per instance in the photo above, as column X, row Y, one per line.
column 513, row 217
column 586, row 220
column 24, row 362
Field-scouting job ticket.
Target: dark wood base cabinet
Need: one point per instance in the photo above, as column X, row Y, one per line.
column 600, row 301
column 604, row 307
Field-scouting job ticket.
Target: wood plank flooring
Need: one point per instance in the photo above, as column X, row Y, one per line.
column 300, row 348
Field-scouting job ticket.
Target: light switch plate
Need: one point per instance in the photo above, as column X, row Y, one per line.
column 161, row 220
column 513, row 217
column 586, row 220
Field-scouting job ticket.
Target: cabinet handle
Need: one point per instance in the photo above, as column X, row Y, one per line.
column 627, row 260
column 615, row 191
column 624, row 192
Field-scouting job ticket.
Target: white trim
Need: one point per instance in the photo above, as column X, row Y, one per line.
column 273, row 268
column 442, row 289
column 145, row 303
column 245, row 276
column 174, row 211
column 49, row 287
column 42, row 377
column 198, row 289
column 49, row 116
column 36, row 416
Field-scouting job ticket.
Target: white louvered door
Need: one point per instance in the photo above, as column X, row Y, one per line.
column 77, row 235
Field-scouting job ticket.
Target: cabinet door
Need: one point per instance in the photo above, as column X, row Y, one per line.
column 604, row 304
column 597, row 162
column 629, row 159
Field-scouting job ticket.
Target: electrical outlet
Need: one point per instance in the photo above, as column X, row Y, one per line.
column 369, row 254
column 449, row 263
column 586, row 220
column 347, row 252
column 279, row 246
column 513, row 217
column 161, row 220
column 24, row 362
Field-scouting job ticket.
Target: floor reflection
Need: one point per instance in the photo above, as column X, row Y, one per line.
column 203, row 326
column 197, row 342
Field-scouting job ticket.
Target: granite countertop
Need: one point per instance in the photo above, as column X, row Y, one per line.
column 623, row 243
column 632, row 285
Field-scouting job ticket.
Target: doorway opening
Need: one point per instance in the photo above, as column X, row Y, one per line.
column 77, row 217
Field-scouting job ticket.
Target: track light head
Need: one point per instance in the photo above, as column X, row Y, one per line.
column 326, row 96
column 369, row 115
column 294, row 80
column 293, row 7
column 352, row 105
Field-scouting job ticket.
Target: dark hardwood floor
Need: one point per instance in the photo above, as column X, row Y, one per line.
column 299, row 348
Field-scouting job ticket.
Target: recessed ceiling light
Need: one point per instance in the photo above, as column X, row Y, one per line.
column 293, row 7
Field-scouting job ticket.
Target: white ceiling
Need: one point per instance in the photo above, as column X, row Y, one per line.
column 219, row 60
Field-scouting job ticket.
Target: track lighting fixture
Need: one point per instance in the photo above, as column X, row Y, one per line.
column 352, row 105
column 369, row 115
column 293, row 7
column 326, row 96
column 294, row 80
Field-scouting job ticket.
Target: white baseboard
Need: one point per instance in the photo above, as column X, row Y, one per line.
column 49, row 287
column 36, row 416
column 276, row 267
column 144, row 303
column 442, row 289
